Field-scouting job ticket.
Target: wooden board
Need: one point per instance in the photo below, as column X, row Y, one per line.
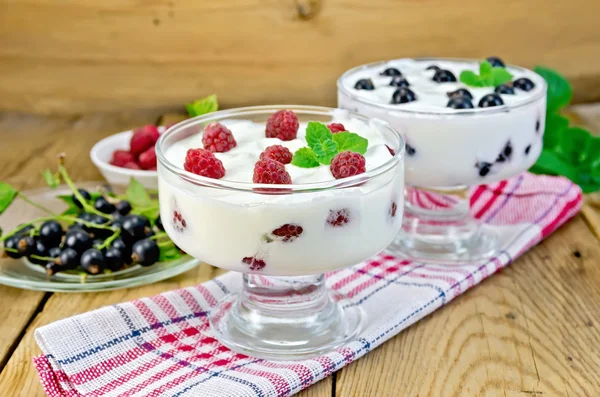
column 79, row 56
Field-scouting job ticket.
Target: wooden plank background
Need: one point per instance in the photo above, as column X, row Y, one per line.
column 74, row 56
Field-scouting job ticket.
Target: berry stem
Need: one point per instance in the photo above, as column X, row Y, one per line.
column 86, row 206
column 43, row 258
column 60, row 218
column 158, row 236
column 110, row 240
column 34, row 204
column 165, row 244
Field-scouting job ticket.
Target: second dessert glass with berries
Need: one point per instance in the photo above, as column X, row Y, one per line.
column 297, row 222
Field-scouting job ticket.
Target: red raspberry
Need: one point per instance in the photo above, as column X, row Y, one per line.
column 132, row 166
column 272, row 172
column 278, row 153
column 391, row 150
column 143, row 138
column 122, row 157
column 217, row 138
column 203, row 162
column 336, row 127
column 282, row 124
column 347, row 164
column 289, row 232
column 255, row 264
column 338, row 218
column 178, row 222
column 147, row 160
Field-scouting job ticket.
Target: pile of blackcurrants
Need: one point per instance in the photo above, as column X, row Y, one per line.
column 103, row 236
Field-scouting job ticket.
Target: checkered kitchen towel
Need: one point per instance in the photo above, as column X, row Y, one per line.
column 162, row 346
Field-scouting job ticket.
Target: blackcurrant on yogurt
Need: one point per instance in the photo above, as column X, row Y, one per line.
column 456, row 134
column 315, row 224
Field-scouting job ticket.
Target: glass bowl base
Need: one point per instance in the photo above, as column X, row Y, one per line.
column 298, row 330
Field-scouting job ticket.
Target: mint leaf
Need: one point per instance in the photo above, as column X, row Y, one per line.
column 550, row 163
column 349, row 141
column 52, row 180
column 320, row 140
column 470, row 78
column 305, row 158
column 574, row 145
column 500, row 76
column 169, row 254
column 485, row 69
column 554, row 130
column 202, row 106
column 560, row 91
column 137, row 194
column 7, row 195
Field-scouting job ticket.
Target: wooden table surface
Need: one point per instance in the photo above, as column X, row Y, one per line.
column 532, row 330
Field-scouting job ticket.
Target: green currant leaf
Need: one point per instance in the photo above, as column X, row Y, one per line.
column 349, row 141
column 137, row 195
column 169, row 253
column 7, row 195
column 554, row 131
column 305, row 158
column 52, row 179
column 560, row 91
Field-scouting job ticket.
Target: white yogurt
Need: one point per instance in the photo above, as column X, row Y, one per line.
column 449, row 147
column 224, row 226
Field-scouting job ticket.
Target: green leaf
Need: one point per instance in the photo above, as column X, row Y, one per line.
column 151, row 212
column 470, row 78
column 500, row 76
column 137, row 195
column 560, row 91
column 169, row 253
column 485, row 69
column 305, row 158
column 349, row 141
column 573, row 145
column 71, row 207
column 554, row 130
column 550, row 163
column 320, row 140
column 52, row 180
column 202, row 106
column 7, row 195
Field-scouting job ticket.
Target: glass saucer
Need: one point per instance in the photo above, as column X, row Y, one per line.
column 21, row 274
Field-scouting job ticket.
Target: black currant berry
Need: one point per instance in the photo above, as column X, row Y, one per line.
column 490, row 100
column 54, row 252
column 12, row 243
column 145, row 252
column 122, row 246
column 364, row 84
column 444, row 76
column 495, row 62
column 92, row 261
column 505, row 154
column 123, row 207
column 524, row 84
column 411, row 151
column 399, row 81
column 39, row 249
column 68, row 259
column 460, row 92
column 403, row 95
column 504, row 89
column 433, row 67
column 99, row 232
column 52, row 268
column 527, row 150
column 134, row 228
column 51, row 233
column 158, row 223
column 23, row 230
column 460, row 102
column 114, row 259
column 484, row 168
column 102, row 205
column 391, row 72
column 26, row 245
column 85, row 194
column 79, row 240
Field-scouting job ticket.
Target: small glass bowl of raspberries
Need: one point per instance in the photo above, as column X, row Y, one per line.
column 128, row 154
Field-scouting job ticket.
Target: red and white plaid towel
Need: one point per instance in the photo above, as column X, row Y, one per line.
column 162, row 346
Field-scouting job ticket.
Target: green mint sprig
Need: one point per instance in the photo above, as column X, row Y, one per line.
column 489, row 76
column 323, row 146
column 570, row 151
column 202, row 106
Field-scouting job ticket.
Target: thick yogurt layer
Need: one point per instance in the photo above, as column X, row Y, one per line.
column 431, row 95
column 251, row 142
column 448, row 147
column 227, row 228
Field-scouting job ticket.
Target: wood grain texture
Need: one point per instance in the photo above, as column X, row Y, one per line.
column 531, row 330
column 81, row 56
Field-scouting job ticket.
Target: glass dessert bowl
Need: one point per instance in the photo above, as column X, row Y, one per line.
column 457, row 137
column 291, row 226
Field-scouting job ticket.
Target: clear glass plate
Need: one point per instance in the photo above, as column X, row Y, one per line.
column 22, row 274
